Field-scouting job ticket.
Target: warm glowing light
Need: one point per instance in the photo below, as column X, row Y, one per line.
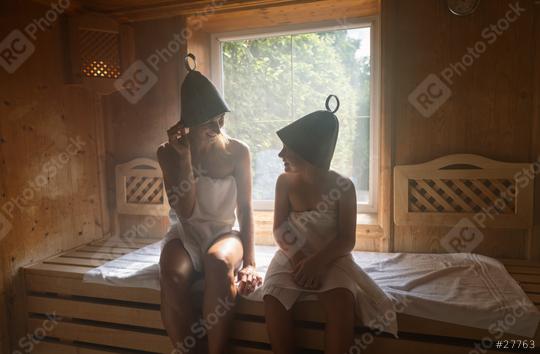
column 100, row 69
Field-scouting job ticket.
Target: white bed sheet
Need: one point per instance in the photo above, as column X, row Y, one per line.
column 460, row 288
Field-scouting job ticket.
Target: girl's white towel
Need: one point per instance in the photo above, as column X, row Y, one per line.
column 311, row 232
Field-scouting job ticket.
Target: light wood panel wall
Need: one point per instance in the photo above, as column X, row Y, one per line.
column 490, row 111
column 39, row 115
column 136, row 130
column 287, row 14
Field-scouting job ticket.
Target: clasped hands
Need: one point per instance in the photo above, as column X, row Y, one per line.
column 307, row 271
column 248, row 280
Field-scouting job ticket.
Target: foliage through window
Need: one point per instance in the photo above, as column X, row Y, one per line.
column 270, row 81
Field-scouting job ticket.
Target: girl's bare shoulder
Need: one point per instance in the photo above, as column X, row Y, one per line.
column 286, row 180
column 340, row 181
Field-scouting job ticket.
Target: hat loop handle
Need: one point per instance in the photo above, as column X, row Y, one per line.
column 328, row 103
column 187, row 64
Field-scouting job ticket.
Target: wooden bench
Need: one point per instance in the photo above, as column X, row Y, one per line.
column 104, row 319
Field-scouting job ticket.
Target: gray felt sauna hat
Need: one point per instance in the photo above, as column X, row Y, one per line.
column 313, row 137
column 200, row 99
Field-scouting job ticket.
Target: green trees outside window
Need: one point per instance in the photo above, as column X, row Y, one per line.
column 269, row 82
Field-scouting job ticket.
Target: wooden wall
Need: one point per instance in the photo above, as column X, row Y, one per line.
column 492, row 110
column 136, row 130
column 55, row 182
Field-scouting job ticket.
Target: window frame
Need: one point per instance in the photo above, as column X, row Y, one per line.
column 216, row 73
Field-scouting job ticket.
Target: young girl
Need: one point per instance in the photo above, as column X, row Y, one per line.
column 314, row 226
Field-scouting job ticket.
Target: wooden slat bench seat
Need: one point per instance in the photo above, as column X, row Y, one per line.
column 98, row 319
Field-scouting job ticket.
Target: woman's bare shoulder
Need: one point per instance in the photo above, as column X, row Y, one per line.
column 238, row 149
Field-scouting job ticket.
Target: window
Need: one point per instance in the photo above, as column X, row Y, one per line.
column 271, row 79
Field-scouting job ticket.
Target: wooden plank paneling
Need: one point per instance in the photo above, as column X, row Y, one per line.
column 530, row 288
column 49, row 183
column 107, row 249
column 74, row 286
column 137, row 242
column 116, row 337
column 120, row 314
column 272, row 11
column 306, row 338
column 76, row 261
column 490, row 109
column 337, row 11
column 55, row 348
column 527, row 278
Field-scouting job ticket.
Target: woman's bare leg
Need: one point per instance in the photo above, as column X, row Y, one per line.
column 339, row 331
column 176, row 278
column 220, row 263
column 280, row 326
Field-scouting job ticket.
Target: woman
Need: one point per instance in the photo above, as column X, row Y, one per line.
column 315, row 228
column 207, row 176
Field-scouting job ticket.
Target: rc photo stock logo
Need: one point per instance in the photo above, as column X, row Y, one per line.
column 430, row 95
column 141, row 76
column 15, row 49
column 136, row 81
column 289, row 240
column 434, row 91
column 465, row 236
column 18, row 45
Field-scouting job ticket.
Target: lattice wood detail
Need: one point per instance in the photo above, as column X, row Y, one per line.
column 140, row 189
column 100, row 56
column 443, row 191
column 461, row 195
column 144, row 190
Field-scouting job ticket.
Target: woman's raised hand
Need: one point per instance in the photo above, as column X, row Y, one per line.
column 178, row 139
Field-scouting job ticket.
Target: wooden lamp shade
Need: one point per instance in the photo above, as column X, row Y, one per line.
column 98, row 50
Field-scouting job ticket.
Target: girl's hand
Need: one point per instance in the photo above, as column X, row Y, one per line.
column 308, row 273
column 297, row 258
column 249, row 280
column 178, row 139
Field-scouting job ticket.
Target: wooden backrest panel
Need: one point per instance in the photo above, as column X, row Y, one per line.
column 140, row 189
column 444, row 191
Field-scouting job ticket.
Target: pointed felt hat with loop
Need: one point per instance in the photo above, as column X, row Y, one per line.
column 200, row 99
column 313, row 137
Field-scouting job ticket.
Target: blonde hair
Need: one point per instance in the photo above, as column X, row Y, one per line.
column 222, row 143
